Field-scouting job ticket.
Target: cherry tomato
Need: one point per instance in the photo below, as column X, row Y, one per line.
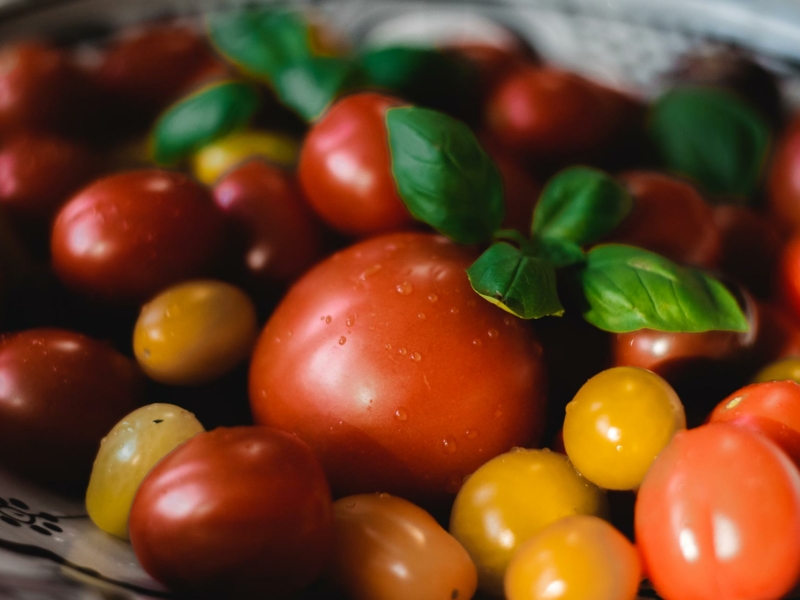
column 42, row 89
column 345, row 168
column 784, row 179
column 127, row 454
column 221, row 156
column 129, row 235
column 778, row 334
column 617, row 424
column 770, row 408
column 576, row 558
column 671, row 218
column 378, row 358
column 235, row 512
column 780, row 370
column 789, row 277
column 718, row 517
column 553, row 114
column 194, row 332
column 61, row 393
column 511, row 498
column 390, row 549
column 275, row 235
column 39, row 172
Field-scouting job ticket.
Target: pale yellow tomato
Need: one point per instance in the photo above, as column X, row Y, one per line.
column 577, row 558
column 390, row 549
column 219, row 157
column 127, row 454
column 786, row 368
column 511, row 498
column 617, row 424
column 194, row 332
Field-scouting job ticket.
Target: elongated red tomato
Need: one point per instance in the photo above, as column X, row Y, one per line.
column 718, row 517
column 399, row 376
column 345, row 168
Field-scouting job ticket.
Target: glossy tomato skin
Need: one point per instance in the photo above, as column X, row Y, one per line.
column 345, row 167
column 390, row 549
column 718, row 517
column 235, row 512
column 788, row 284
column 784, row 179
column 378, row 358
column 38, row 172
column 128, row 235
column 62, row 393
column 671, row 218
column 275, row 236
column 771, row 408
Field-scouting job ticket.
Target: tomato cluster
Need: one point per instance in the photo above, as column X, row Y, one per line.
column 282, row 311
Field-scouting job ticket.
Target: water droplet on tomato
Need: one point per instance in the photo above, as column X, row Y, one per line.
column 342, row 341
column 388, row 346
column 471, row 434
column 370, row 271
column 449, row 445
column 416, row 356
column 328, row 320
column 401, row 414
column 404, row 288
column 477, row 342
column 421, row 316
column 454, row 311
column 351, row 320
column 350, row 504
column 433, row 297
column 493, row 333
column 401, row 351
column 384, row 495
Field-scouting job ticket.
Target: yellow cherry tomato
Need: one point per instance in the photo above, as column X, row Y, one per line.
column 617, row 424
column 786, row 368
column 511, row 498
column 194, row 332
column 390, row 549
column 219, row 157
column 127, row 454
column 577, row 558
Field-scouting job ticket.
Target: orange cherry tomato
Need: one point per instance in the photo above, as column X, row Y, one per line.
column 718, row 517
column 390, row 549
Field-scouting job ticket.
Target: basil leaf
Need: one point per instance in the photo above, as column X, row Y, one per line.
column 202, row 117
column 260, row 41
column 711, row 136
column 522, row 285
column 560, row 252
column 580, row 205
column 443, row 175
column 308, row 87
column 627, row 288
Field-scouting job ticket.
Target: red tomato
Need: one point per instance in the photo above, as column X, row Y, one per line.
column 345, row 167
column 60, row 393
column 784, row 179
column 129, row 235
column 41, row 88
column 671, row 218
column 399, row 376
column 39, row 172
column 239, row 512
column 788, row 283
column 275, row 233
column 718, row 517
column 751, row 245
column 778, row 334
column 553, row 114
column 771, row 408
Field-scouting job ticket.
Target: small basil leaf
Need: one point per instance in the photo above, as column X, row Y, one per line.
column 309, row 86
column 200, row 118
column 260, row 41
column 522, row 285
column 560, row 252
column 443, row 175
column 711, row 136
column 627, row 288
column 580, row 205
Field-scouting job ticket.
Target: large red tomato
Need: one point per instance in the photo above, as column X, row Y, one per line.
column 234, row 513
column 399, row 376
column 718, row 517
column 127, row 236
column 345, row 167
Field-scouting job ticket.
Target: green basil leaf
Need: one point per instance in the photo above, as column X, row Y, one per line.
column 202, row 117
column 522, row 285
column 712, row 137
column 627, row 288
column 260, row 41
column 580, row 205
column 309, row 86
column 559, row 251
column 424, row 76
column 443, row 175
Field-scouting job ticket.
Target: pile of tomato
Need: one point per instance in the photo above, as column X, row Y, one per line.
column 306, row 320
